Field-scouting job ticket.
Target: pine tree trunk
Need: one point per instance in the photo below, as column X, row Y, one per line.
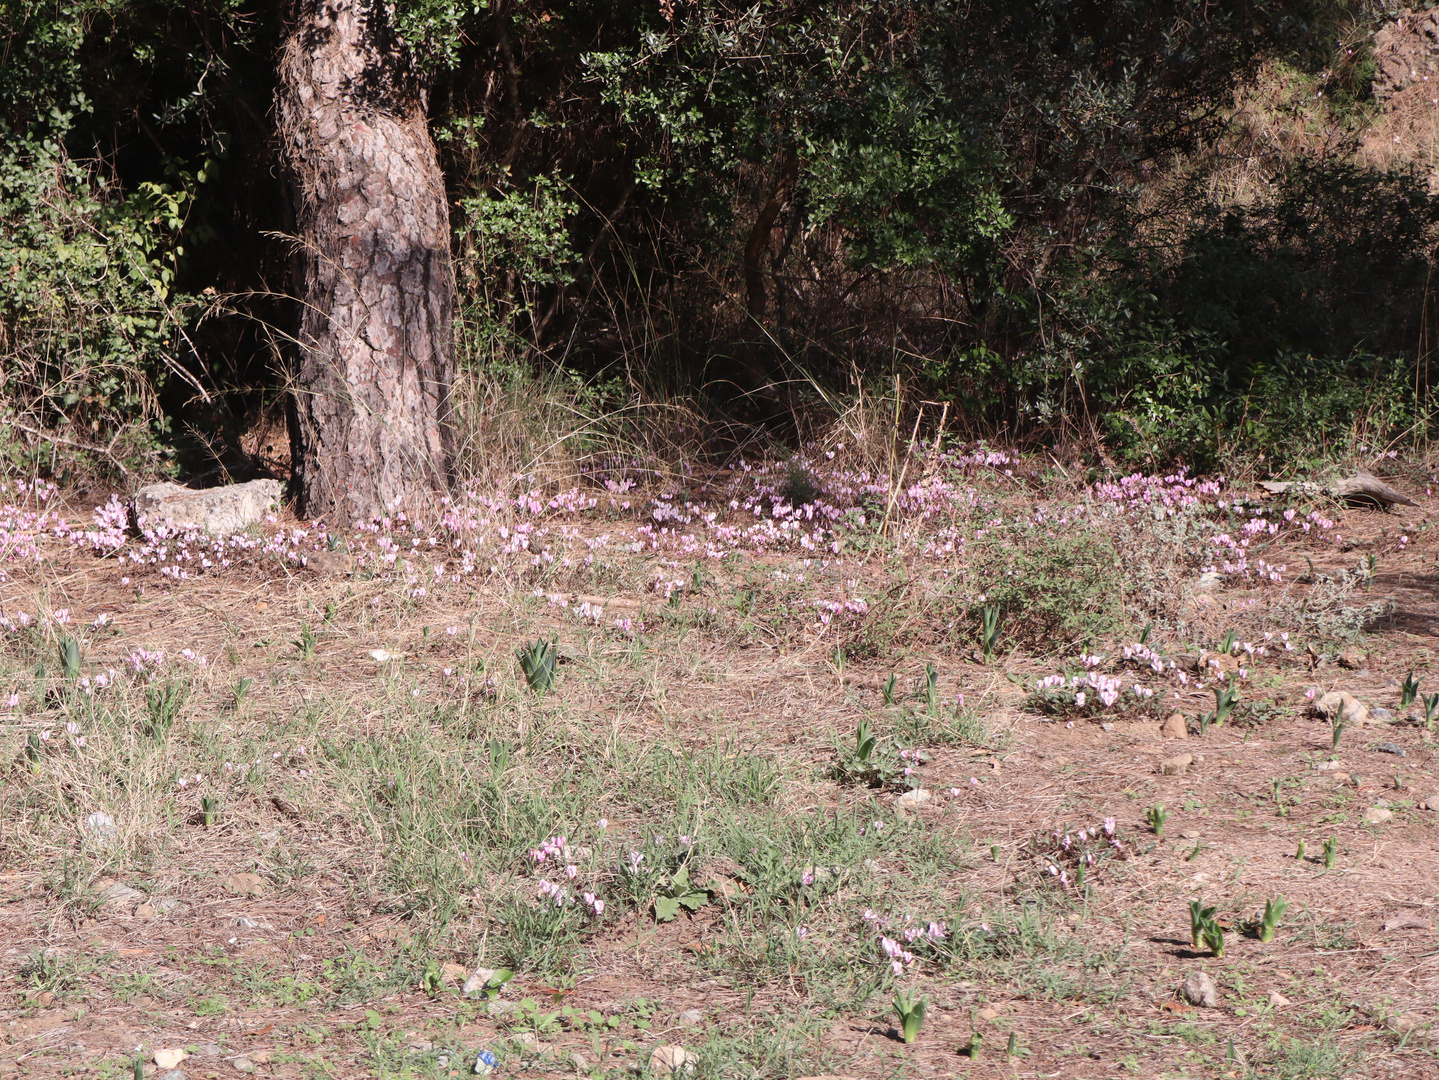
column 370, row 404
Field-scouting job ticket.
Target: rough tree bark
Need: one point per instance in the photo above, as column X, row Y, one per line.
column 370, row 408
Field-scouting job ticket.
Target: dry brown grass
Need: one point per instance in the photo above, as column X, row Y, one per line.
column 1088, row 988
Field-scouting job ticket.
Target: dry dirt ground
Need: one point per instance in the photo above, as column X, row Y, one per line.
column 379, row 778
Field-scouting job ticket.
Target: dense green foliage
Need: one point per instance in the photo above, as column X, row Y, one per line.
column 1014, row 206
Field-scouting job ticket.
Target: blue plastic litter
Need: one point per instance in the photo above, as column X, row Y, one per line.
column 485, row 1063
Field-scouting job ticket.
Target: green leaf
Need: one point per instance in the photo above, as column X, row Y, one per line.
column 666, row 908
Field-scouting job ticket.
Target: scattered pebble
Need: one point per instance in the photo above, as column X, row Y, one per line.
column 1176, row 727
column 1176, row 766
column 690, row 1018
column 917, row 797
column 171, row 1074
column 1408, row 921
column 100, row 830
column 244, row 884
column 1277, row 1000
column 580, row 1063
column 669, row 1060
column 988, row 1014
column 1377, row 815
column 1391, row 748
column 1343, row 704
column 1198, row 989
column 242, row 1064
column 170, row 1057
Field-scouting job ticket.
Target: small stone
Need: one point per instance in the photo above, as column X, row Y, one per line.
column 1407, row 921
column 988, row 1015
column 245, row 922
column 1391, row 748
column 1401, row 1025
column 917, row 797
column 242, row 1064
column 1343, row 704
column 1277, row 1000
column 44, row 999
column 207, row 1050
column 477, row 982
column 1176, row 727
column 330, row 562
column 170, row 1057
column 1176, row 766
column 579, row 1063
column 690, row 1018
column 1377, row 815
column 99, row 830
column 171, row 1074
column 1352, row 659
column 1106, row 726
column 245, row 884
column 1328, row 766
column 1382, row 715
column 499, row 1008
column 669, row 1060
column 1208, row 580
column 1199, row 989
column 453, row 974
column 145, row 911
column 116, row 894
column 526, row 1040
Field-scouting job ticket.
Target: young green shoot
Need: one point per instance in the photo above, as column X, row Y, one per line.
column 911, row 1009
column 1431, row 709
column 1214, row 938
column 538, row 660
column 70, row 656
column 1299, row 852
column 1408, row 691
column 210, row 810
column 1331, row 852
column 1273, row 911
column 1199, row 918
column 889, row 686
column 240, row 689
column 1225, row 698
column 989, row 631
column 1336, row 729
column 1156, row 816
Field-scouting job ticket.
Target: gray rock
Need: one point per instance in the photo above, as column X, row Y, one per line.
column 1391, row 748
column 690, row 1018
column 113, row 893
column 1377, row 815
column 99, row 830
column 1277, row 1000
column 171, row 1074
column 1343, row 704
column 219, row 511
column 1199, row 989
column 579, row 1062
column 242, row 1064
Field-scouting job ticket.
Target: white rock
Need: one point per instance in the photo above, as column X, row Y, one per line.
column 169, row 1058
column 917, row 797
column 1377, row 815
column 690, row 1018
column 1277, row 1000
column 1199, row 989
column 672, row 1060
column 477, row 982
column 100, row 830
column 220, row 511
column 1343, row 704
